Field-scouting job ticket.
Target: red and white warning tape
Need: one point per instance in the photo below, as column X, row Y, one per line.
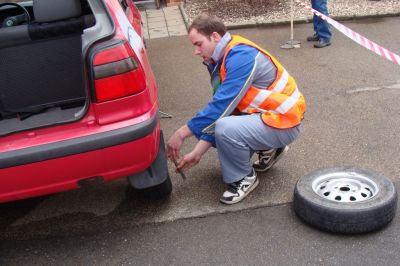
column 361, row 40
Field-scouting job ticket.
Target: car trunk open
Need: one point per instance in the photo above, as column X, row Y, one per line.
column 40, row 77
column 43, row 79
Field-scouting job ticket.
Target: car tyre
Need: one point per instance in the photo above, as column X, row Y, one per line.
column 161, row 191
column 345, row 200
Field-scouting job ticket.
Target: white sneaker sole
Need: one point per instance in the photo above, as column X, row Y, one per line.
column 255, row 184
column 275, row 161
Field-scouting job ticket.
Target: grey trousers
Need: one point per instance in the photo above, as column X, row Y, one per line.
column 238, row 137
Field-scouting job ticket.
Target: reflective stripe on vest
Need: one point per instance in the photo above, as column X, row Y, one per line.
column 282, row 105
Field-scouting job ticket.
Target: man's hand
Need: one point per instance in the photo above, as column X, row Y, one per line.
column 193, row 157
column 175, row 142
column 188, row 161
column 174, row 145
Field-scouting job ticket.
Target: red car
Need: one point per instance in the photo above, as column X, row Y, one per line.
column 78, row 99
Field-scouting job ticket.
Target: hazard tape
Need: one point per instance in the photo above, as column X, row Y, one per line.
column 361, row 40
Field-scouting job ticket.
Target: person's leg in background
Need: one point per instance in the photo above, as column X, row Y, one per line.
column 322, row 28
column 314, row 37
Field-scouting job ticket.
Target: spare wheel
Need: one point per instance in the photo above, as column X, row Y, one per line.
column 345, row 200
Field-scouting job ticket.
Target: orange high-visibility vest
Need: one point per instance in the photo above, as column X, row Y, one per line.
column 282, row 105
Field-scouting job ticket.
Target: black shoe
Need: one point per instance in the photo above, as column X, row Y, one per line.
column 322, row 44
column 267, row 159
column 313, row 38
column 240, row 189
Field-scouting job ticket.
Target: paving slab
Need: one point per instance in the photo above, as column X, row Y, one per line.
column 170, row 8
column 154, row 11
column 146, row 34
column 154, row 14
column 158, row 33
column 155, row 19
column 173, row 16
column 156, row 25
column 177, row 30
column 143, row 16
column 177, row 33
column 175, row 22
column 174, row 12
column 169, row 18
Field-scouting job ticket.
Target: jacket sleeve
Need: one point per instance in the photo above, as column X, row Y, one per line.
column 240, row 67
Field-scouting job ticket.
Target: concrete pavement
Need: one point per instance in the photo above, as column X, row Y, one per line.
column 162, row 22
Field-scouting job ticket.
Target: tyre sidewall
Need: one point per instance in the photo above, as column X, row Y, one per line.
column 345, row 217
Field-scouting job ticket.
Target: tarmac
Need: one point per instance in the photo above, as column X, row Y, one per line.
column 352, row 119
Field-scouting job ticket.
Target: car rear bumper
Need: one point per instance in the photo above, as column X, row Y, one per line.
column 77, row 145
column 60, row 166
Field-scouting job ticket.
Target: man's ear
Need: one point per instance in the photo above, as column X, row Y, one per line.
column 216, row 36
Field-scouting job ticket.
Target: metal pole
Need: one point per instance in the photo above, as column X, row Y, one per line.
column 291, row 19
column 291, row 43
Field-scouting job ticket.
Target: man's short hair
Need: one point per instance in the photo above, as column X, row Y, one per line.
column 206, row 24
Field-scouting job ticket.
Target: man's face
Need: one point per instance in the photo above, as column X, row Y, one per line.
column 204, row 46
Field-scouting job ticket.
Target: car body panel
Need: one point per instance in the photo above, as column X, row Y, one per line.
column 109, row 140
column 64, row 173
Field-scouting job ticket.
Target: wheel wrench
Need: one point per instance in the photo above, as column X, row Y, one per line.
column 178, row 170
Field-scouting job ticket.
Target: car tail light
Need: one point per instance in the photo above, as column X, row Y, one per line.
column 117, row 73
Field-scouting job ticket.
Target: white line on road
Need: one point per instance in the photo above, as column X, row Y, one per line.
column 368, row 89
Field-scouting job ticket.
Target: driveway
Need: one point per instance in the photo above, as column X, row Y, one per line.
column 353, row 118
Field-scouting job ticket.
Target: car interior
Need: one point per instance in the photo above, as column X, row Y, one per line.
column 42, row 65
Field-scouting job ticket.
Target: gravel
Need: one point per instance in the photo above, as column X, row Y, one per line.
column 234, row 12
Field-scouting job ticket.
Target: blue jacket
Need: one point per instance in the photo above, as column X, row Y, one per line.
column 245, row 66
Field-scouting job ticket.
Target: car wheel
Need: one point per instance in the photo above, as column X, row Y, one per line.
column 161, row 191
column 345, row 200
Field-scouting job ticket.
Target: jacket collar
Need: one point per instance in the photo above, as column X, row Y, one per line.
column 220, row 47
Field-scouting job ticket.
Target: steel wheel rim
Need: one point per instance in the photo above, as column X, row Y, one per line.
column 348, row 187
